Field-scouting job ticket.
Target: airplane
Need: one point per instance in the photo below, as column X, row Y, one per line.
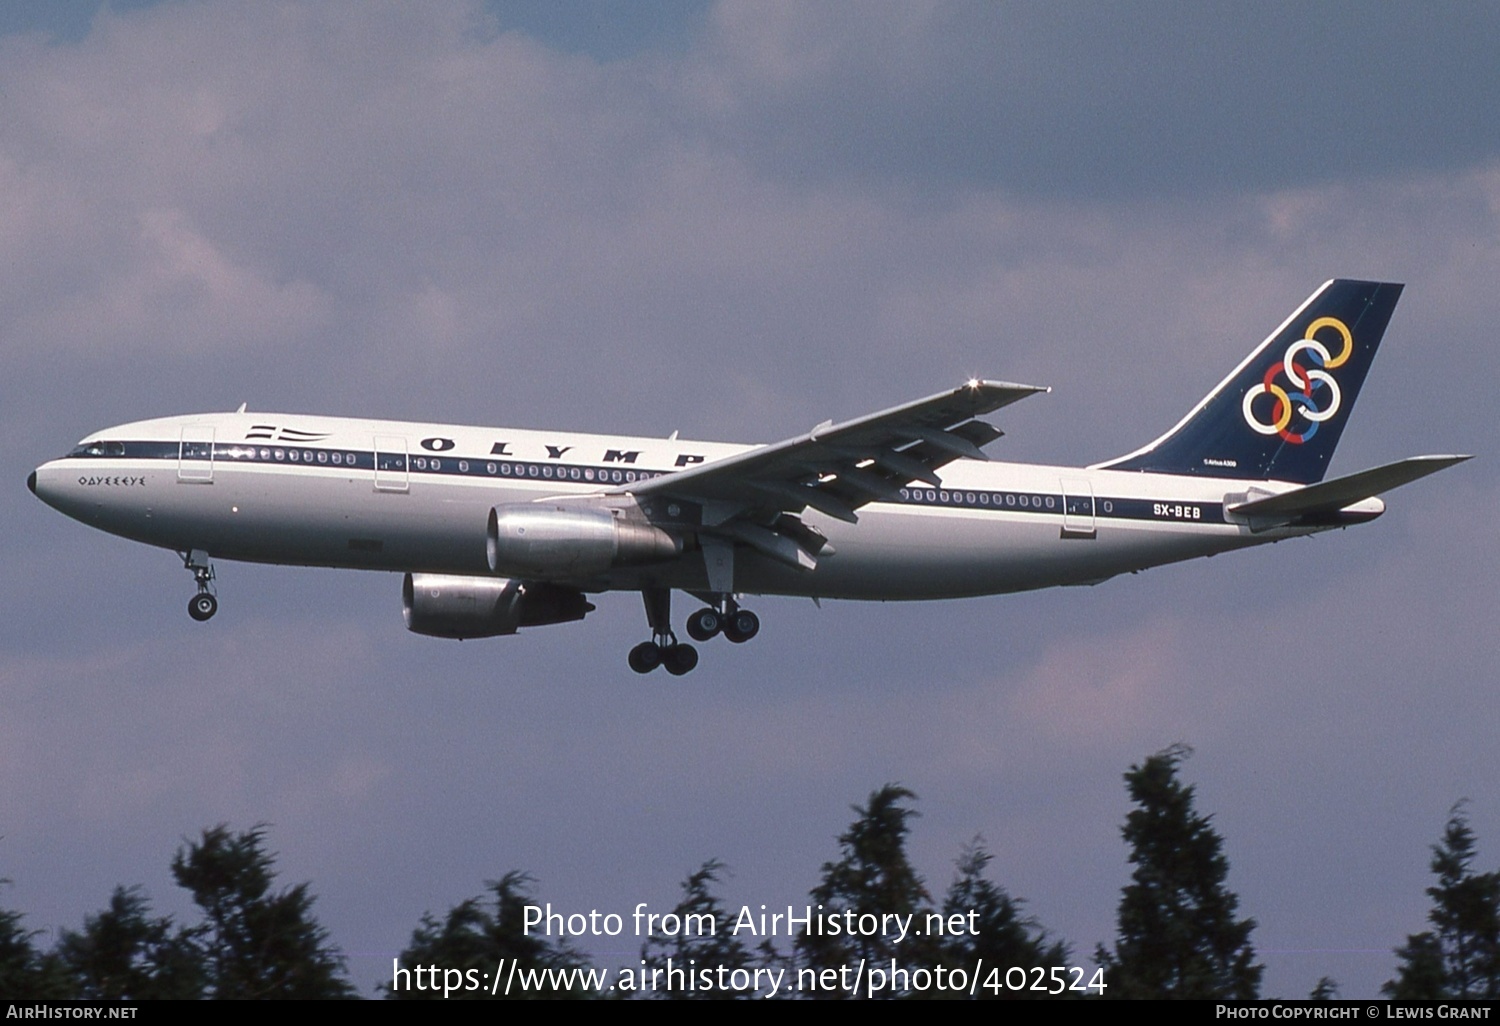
column 498, row 529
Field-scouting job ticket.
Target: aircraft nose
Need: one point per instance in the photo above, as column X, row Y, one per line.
column 31, row 482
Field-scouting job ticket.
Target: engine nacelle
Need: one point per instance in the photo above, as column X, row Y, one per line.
column 569, row 542
column 444, row 606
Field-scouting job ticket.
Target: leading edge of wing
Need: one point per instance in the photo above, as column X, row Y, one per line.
column 749, row 475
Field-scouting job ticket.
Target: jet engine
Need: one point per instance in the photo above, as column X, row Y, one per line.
column 571, row 542
column 444, row 606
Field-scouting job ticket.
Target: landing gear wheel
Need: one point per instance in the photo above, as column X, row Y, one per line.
column 202, row 607
column 704, row 624
column 742, row 626
column 646, row 657
column 680, row 659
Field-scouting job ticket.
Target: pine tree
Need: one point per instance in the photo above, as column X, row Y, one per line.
column 703, row 938
column 1326, row 989
column 1420, row 976
column 872, row 877
column 1460, row 957
column 1001, row 935
column 25, row 972
column 1177, row 932
column 17, row 956
column 478, row 942
column 255, row 943
column 124, row 954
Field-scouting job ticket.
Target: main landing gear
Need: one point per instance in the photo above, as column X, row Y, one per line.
column 663, row 649
column 736, row 624
column 726, row 618
column 203, row 605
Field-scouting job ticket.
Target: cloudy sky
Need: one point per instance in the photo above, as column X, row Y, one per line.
column 737, row 220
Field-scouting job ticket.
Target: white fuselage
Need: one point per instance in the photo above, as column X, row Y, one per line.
column 384, row 495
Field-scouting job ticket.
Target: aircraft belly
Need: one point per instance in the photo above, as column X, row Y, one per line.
column 936, row 555
column 346, row 522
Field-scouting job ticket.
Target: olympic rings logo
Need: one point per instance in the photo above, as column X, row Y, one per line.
column 1311, row 389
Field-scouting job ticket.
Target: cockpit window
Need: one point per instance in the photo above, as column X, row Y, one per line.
column 99, row 448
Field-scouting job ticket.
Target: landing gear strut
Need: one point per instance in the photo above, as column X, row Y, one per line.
column 736, row 624
column 663, row 649
column 203, row 605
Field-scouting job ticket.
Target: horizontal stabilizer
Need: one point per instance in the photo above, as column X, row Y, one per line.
column 1331, row 496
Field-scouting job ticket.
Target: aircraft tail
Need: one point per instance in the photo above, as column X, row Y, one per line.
column 1279, row 414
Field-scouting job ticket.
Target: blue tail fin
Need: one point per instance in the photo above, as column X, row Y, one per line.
column 1279, row 414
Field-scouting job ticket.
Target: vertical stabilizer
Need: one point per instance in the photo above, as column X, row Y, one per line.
column 1279, row 414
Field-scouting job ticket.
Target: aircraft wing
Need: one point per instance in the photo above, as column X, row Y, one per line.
column 756, row 496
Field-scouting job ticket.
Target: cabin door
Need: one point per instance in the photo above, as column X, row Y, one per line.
column 391, row 471
column 195, row 454
column 1078, row 508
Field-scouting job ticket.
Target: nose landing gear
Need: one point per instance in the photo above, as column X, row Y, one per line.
column 203, row 605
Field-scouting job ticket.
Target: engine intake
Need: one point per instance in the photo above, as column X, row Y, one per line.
column 563, row 542
column 443, row 606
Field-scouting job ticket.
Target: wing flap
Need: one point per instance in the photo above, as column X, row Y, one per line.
column 779, row 547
